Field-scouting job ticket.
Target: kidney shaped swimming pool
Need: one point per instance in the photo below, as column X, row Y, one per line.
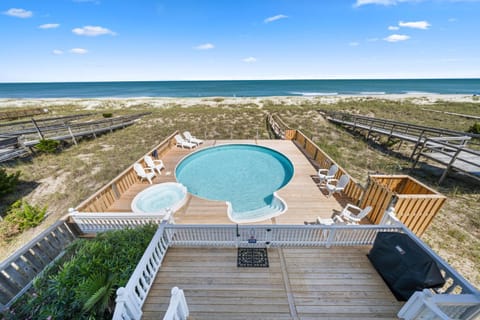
column 242, row 174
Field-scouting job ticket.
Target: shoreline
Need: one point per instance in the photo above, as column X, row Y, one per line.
column 99, row 102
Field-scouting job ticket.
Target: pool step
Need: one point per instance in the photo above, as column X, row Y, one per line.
column 277, row 207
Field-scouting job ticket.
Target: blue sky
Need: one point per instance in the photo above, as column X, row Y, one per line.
column 117, row 40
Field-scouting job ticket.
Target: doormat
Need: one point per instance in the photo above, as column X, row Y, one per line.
column 252, row 258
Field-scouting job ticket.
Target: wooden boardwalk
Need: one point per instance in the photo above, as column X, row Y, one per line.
column 300, row 283
column 305, row 200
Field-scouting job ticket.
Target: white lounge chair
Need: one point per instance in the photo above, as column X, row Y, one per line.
column 184, row 143
column 142, row 173
column 353, row 214
column 154, row 164
column 325, row 174
column 337, row 185
column 188, row 136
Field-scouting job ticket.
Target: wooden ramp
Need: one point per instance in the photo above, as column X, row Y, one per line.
column 300, row 283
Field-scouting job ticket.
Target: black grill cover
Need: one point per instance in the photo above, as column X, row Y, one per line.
column 403, row 265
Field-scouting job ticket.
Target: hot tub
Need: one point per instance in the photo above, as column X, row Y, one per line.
column 160, row 198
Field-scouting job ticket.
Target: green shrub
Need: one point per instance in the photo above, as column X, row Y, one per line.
column 475, row 128
column 107, row 115
column 8, row 182
column 84, row 284
column 24, row 215
column 48, row 145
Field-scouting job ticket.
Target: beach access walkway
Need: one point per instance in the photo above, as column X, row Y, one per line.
column 445, row 147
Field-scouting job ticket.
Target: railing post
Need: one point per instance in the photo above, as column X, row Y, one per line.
column 331, row 237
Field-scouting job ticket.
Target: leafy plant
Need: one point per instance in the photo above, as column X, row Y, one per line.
column 107, row 115
column 83, row 285
column 475, row 128
column 25, row 216
column 48, row 145
column 8, row 182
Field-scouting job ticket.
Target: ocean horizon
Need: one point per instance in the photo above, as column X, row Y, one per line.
column 237, row 88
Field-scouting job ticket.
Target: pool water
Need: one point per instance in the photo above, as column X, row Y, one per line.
column 245, row 175
column 159, row 198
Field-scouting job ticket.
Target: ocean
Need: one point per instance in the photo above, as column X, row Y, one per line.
column 238, row 88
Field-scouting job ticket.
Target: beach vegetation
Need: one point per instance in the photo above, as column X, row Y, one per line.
column 475, row 128
column 83, row 284
column 107, row 115
column 8, row 181
column 20, row 216
column 47, row 145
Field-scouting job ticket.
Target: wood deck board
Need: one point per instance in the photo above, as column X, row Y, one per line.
column 223, row 291
column 304, row 198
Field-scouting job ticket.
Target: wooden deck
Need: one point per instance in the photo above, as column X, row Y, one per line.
column 300, row 283
column 305, row 200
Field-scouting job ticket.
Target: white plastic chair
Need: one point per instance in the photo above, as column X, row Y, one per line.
column 188, row 136
column 154, row 164
column 337, row 185
column 353, row 214
column 142, row 173
column 184, row 143
column 325, row 174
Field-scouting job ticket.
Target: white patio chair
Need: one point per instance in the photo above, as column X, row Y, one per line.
column 353, row 214
column 325, row 174
column 154, row 164
column 184, row 143
column 142, row 173
column 337, row 185
column 188, row 136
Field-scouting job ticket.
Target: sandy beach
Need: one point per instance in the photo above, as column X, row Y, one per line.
column 161, row 102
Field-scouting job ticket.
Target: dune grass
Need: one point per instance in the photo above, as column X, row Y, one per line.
column 64, row 179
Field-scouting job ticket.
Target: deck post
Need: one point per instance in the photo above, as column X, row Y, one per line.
column 444, row 175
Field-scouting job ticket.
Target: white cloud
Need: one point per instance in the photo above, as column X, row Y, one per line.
column 275, row 18
column 249, row 60
column 396, row 38
column 57, row 52
column 49, row 26
column 354, row 44
column 415, row 24
column 393, row 28
column 359, row 3
column 19, row 13
column 92, row 31
column 205, row 46
column 78, row 51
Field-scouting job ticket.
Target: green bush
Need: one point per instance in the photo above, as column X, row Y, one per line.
column 475, row 128
column 83, row 286
column 48, row 146
column 107, row 115
column 25, row 216
column 8, row 182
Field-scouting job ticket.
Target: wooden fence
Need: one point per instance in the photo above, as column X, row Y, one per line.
column 354, row 189
column 415, row 203
column 101, row 200
column 18, row 270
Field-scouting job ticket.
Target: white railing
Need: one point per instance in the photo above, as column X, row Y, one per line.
column 93, row 222
column 275, row 235
column 130, row 298
column 177, row 309
column 427, row 305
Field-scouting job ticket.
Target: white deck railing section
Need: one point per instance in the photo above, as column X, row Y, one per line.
column 93, row 222
column 130, row 298
column 177, row 309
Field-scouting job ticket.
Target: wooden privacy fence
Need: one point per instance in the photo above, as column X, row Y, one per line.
column 101, row 200
column 415, row 204
column 354, row 189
